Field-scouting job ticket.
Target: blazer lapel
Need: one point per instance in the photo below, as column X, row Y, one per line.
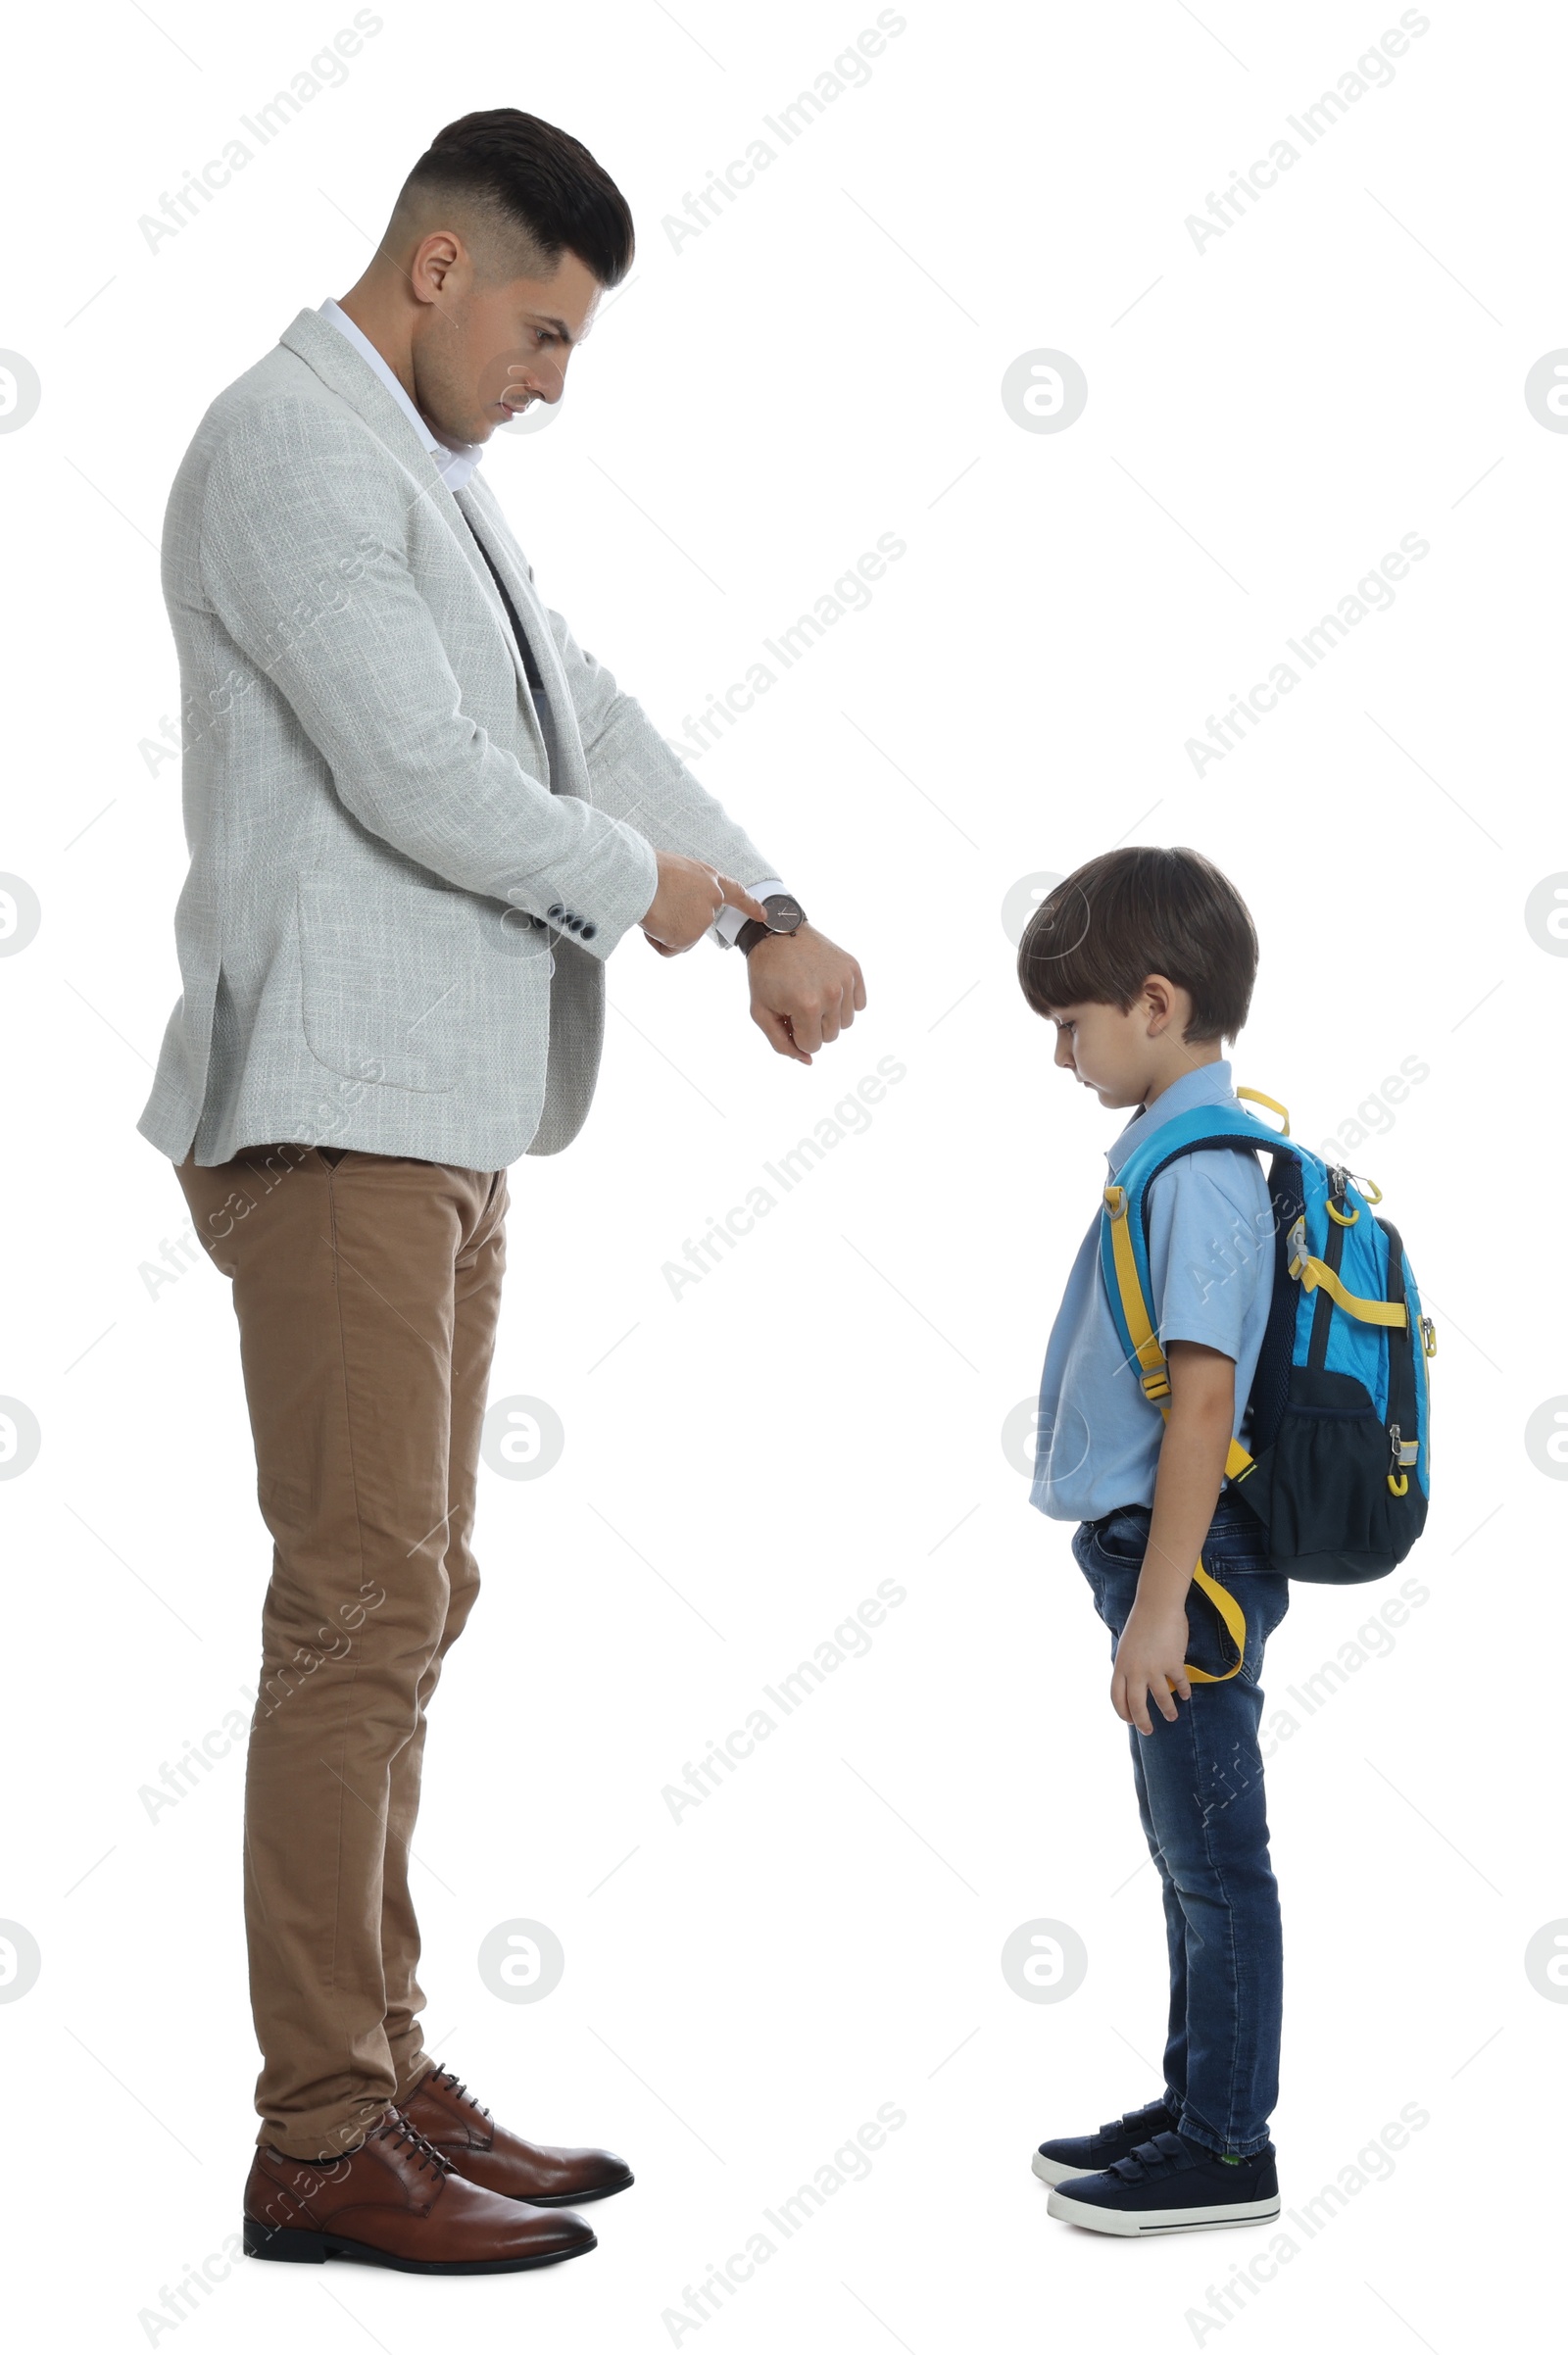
column 332, row 357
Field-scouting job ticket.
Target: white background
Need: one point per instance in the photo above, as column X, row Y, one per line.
column 742, row 1464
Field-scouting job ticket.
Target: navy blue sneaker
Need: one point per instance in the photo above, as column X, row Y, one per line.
column 1170, row 2185
column 1086, row 2154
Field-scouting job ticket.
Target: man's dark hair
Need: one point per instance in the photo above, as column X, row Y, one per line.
column 535, row 190
column 1100, row 933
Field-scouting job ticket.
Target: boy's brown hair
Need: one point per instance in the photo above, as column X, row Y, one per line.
column 1099, row 934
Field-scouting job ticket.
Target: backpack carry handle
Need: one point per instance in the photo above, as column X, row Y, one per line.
column 1256, row 1096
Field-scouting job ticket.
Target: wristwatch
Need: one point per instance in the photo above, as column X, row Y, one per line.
column 784, row 914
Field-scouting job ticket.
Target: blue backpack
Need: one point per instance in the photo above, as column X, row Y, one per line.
column 1337, row 1465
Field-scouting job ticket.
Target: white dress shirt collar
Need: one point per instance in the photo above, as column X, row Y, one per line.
column 453, row 465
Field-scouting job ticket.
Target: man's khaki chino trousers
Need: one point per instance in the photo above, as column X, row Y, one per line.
column 367, row 1287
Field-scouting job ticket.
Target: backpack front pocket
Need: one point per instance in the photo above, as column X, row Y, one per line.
column 1323, row 1486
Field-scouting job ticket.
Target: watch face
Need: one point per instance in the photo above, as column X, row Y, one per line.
column 784, row 914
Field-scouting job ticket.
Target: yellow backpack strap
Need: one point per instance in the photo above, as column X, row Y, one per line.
column 1367, row 1312
column 1312, row 1273
column 1145, row 1342
column 1256, row 1096
column 1235, row 1618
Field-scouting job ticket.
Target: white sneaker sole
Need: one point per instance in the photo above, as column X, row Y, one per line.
column 1135, row 2224
column 1051, row 2170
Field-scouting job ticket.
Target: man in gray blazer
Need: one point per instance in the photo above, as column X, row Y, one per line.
column 421, row 817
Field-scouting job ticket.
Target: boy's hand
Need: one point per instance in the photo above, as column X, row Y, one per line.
column 1150, row 1658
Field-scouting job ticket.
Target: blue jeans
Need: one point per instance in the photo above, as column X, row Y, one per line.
column 1200, row 1798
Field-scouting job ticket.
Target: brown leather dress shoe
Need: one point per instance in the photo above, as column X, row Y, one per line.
column 468, row 2138
column 396, row 2201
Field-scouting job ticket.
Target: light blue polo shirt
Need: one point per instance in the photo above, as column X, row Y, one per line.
column 1211, row 1270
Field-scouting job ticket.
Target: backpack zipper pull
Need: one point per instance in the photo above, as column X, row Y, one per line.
column 1402, row 1453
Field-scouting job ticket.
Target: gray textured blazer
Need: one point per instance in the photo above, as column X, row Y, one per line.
column 393, row 932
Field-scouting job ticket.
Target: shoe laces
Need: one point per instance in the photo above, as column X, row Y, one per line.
column 460, row 2092
column 421, row 2150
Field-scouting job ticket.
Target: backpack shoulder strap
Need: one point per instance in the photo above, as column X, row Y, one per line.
column 1123, row 1226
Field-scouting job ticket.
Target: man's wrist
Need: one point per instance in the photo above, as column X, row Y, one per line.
column 785, row 915
column 729, row 920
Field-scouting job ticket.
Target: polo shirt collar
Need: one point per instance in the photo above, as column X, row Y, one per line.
column 1210, row 1083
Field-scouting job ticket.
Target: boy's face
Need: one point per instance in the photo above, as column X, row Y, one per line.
column 1129, row 1058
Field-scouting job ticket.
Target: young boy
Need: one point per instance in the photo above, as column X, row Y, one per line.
column 1144, row 960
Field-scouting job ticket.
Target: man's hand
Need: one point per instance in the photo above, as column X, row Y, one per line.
column 1150, row 1658
column 689, row 896
column 805, row 990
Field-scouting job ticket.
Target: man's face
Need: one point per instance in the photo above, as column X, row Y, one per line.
column 482, row 355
